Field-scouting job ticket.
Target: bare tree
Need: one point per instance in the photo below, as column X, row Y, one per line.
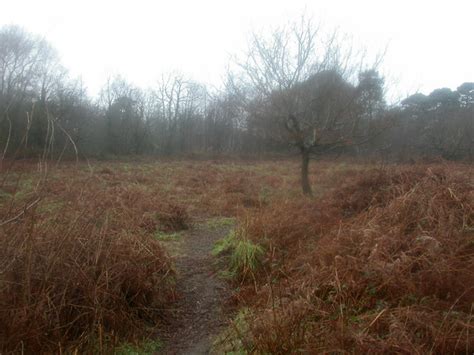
column 296, row 86
column 181, row 104
column 29, row 71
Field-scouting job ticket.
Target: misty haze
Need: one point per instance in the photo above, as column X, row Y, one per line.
column 271, row 177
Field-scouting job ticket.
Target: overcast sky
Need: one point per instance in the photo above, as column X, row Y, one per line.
column 431, row 43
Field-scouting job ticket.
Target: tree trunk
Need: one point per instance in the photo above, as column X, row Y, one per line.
column 305, row 172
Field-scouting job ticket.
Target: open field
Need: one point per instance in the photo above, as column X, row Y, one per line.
column 147, row 255
column 245, row 178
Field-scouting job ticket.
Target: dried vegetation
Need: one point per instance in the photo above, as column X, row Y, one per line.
column 379, row 261
column 80, row 265
column 384, row 264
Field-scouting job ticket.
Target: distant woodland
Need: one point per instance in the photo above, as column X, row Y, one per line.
column 292, row 92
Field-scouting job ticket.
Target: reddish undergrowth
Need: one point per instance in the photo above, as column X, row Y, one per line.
column 79, row 268
column 380, row 261
column 80, row 264
column 385, row 264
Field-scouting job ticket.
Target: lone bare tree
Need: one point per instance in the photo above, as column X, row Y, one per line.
column 296, row 86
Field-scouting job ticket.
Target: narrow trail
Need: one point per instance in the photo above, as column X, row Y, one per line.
column 199, row 317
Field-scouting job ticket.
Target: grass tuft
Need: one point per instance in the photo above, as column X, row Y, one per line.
column 243, row 257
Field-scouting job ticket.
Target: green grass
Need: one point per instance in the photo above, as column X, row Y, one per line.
column 22, row 187
column 220, row 222
column 229, row 342
column 265, row 194
column 164, row 237
column 243, row 257
column 5, row 195
column 50, row 206
column 224, row 245
column 148, row 347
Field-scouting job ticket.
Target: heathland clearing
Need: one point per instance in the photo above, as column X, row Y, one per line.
column 98, row 255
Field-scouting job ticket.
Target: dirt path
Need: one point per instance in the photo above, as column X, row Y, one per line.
column 200, row 315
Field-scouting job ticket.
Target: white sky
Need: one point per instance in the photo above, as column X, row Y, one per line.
column 431, row 43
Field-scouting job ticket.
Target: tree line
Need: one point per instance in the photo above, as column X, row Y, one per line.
column 293, row 90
